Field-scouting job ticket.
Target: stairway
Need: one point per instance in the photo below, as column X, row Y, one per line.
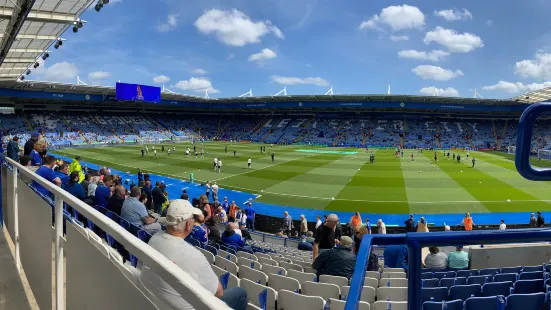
column 66, row 122
column 223, row 129
column 269, row 132
column 505, row 129
column 468, row 133
column 199, row 128
column 336, row 142
column 305, row 128
column 28, row 121
column 498, row 141
column 83, row 137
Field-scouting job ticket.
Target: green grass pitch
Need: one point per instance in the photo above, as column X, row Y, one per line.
column 346, row 182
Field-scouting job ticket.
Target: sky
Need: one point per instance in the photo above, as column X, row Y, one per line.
column 501, row 49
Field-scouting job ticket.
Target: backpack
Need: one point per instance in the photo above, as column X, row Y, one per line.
column 373, row 263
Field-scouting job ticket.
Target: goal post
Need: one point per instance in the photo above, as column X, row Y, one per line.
column 511, row 149
column 544, row 154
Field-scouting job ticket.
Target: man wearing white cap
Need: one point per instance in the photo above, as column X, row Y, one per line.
column 180, row 219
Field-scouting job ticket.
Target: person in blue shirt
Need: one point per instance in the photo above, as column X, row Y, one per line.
column 199, row 231
column 47, row 172
column 103, row 192
column 73, row 187
column 147, row 190
column 226, row 205
column 140, row 175
column 39, row 147
column 230, row 237
column 63, row 174
column 251, row 213
column 135, row 212
column 13, row 148
column 396, row 256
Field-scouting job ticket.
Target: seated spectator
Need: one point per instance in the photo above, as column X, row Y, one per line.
column 86, row 182
column 92, row 187
column 221, row 216
column 47, row 172
column 396, row 256
column 458, row 259
column 307, row 242
column 63, row 173
column 73, row 188
column 436, row 260
column 25, row 160
column 135, row 212
column 339, row 261
column 245, row 233
column 199, row 230
column 230, row 237
column 214, row 234
column 180, row 221
column 359, row 232
column 116, row 201
column 103, row 192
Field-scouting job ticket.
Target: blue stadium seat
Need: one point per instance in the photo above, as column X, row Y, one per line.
column 467, row 273
column 448, row 305
column 528, row 286
column 486, row 303
column 497, row 288
column 449, row 282
column 479, row 280
column 465, row 291
column 532, row 275
column 547, row 267
column 213, row 244
column 193, row 241
column 502, row 277
column 430, row 283
column 511, row 269
column 244, row 250
column 488, row 271
column 125, row 224
column 532, row 268
column 228, row 249
column 446, row 274
column 437, row 294
column 144, row 236
column 526, row 301
column 427, row 275
column 211, row 249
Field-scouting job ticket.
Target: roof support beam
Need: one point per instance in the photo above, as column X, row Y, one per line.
column 13, row 68
column 19, row 60
column 26, row 50
column 10, row 75
column 33, row 16
column 32, row 37
column 16, row 20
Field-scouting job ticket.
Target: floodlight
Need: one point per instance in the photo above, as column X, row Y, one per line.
column 28, row 72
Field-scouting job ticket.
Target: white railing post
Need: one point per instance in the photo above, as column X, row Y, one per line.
column 16, row 220
column 59, row 277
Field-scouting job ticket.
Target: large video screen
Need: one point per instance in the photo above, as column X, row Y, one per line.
column 135, row 92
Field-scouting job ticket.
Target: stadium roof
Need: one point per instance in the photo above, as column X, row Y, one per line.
column 535, row 96
column 110, row 91
column 27, row 30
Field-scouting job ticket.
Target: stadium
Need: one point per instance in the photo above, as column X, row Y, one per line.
column 333, row 201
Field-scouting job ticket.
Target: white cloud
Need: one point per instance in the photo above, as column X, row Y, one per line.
column 289, row 80
column 161, row 79
column 453, row 15
column 489, row 22
column 171, row 23
column 61, row 72
column 234, row 27
column 512, row 88
column 435, row 55
column 197, row 84
column 428, row 72
column 538, row 68
column 230, row 56
column 265, row 54
column 99, row 75
column 399, row 38
column 199, row 71
column 453, row 41
column 397, row 17
column 442, row 92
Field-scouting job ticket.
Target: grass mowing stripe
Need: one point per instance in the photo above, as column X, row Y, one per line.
column 381, row 181
column 425, row 181
column 492, row 192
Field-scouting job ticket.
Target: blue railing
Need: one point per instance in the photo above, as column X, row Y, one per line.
column 416, row 241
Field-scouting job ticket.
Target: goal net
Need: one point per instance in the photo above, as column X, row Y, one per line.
column 544, row 154
column 511, row 149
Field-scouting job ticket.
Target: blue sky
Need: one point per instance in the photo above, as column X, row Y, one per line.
column 500, row 48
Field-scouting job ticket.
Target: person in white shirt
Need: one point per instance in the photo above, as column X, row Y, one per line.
column 214, row 188
column 318, row 222
column 146, row 149
column 502, row 226
column 249, row 163
column 215, row 162
column 222, row 215
column 381, row 227
column 243, row 218
column 219, row 165
column 155, row 152
column 180, row 220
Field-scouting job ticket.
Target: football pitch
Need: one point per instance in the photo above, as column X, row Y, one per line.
column 342, row 179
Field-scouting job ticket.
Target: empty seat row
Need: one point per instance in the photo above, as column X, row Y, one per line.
column 535, row 301
column 492, row 271
column 512, row 277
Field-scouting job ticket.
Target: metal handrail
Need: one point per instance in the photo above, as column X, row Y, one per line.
column 178, row 279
